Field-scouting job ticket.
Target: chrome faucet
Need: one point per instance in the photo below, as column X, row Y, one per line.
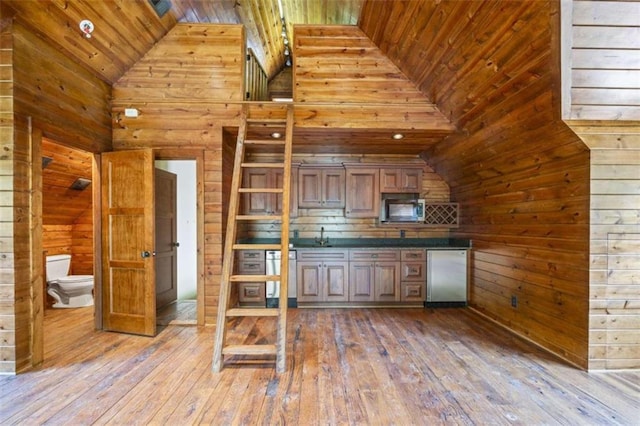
column 322, row 241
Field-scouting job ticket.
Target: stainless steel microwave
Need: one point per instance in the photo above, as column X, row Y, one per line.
column 402, row 210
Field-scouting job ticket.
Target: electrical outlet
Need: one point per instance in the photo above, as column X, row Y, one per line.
column 514, row 301
column 402, row 233
column 295, row 233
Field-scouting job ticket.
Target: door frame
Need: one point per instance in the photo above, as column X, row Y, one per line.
column 198, row 156
column 159, row 154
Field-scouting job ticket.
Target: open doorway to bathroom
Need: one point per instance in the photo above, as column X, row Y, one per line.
column 183, row 310
column 67, row 228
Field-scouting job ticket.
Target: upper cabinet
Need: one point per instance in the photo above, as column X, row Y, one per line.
column 321, row 187
column 363, row 192
column 400, row 180
column 264, row 203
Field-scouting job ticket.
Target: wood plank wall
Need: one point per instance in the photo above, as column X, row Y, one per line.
column 521, row 176
column 309, row 221
column 65, row 100
column 614, row 314
column 8, row 348
column 182, row 105
column 604, row 59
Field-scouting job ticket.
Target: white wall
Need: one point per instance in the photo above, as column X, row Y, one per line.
column 187, row 225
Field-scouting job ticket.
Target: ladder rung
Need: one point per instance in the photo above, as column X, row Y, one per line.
column 249, row 350
column 262, row 190
column 267, row 120
column 257, row 246
column 263, row 165
column 264, row 142
column 254, row 278
column 252, row 312
column 259, row 217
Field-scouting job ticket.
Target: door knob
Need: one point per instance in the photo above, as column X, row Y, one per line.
column 145, row 254
column 175, row 244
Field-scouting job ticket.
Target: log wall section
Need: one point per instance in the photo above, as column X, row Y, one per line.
column 521, row 176
column 603, row 69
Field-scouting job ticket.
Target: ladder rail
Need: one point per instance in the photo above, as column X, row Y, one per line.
column 230, row 238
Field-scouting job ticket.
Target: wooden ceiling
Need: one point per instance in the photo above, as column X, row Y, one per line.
column 125, row 29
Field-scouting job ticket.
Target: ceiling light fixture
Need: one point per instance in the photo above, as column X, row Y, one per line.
column 397, row 136
column 276, row 135
column 86, row 26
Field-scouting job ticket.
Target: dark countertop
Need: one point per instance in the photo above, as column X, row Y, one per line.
column 301, row 243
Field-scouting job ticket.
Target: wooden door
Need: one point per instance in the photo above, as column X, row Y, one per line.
column 128, row 268
column 166, row 258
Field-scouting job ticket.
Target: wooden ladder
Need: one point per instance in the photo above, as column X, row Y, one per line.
column 263, row 127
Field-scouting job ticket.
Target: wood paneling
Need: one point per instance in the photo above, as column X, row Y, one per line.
column 256, row 84
column 519, row 174
column 614, row 276
column 66, row 101
column 603, row 60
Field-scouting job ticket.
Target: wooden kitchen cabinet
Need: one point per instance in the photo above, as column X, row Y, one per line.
column 413, row 276
column 374, row 275
column 268, row 203
column 321, row 187
column 401, row 180
column 251, row 262
column 322, row 275
column 363, row 192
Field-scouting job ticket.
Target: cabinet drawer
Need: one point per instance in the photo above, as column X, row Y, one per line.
column 251, row 292
column 251, row 255
column 322, row 254
column 249, row 267
column 414, row 255
column 412, row 292
column 413, row 271
column 375, row 255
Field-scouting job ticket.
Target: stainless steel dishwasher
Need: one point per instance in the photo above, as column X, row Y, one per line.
column 272, row 258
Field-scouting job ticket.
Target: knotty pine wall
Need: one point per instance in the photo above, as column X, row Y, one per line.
column 520, row 174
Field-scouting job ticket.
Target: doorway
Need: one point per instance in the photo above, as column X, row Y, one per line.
column 183, row 310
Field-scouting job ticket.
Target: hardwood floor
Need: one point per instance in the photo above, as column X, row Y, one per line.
column 368, row 366
column 179, row 312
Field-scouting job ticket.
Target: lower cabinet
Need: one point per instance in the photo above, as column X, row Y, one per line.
column 322, row 276
column 361, row 275
column 251, row 262
column 374, row 276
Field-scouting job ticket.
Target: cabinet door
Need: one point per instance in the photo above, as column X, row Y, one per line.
column 309, row 279
column 336, row 280
column 411, row 180
column 412, row 291
column 387, row 281
column 277, row 198
column 257, row 203
column 363, row 192
column 390, row 180
column 333, row 188
column 361, row 279
column 252, row 293
column 309, row 188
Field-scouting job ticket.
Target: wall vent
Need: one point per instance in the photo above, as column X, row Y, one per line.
column 160, row 6
column 80, row 184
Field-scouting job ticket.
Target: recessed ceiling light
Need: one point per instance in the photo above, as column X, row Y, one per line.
column 276, row 135
column 398, row 136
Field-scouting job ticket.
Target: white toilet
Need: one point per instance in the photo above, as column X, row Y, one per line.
column 69, row 291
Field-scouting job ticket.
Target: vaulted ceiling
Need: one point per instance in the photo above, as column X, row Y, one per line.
column 124, row 30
